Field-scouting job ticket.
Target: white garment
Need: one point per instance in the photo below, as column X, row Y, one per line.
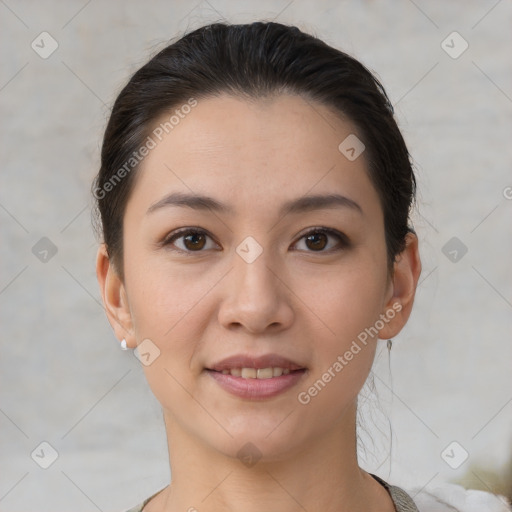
column 455, row 498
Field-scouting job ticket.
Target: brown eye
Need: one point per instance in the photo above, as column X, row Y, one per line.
column 194, row 241
column 191, row 240
column 316, row 240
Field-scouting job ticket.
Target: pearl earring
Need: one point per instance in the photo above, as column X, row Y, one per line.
column 123, row 345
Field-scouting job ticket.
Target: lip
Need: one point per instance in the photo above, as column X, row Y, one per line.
column 258, row 362
column 257, row 389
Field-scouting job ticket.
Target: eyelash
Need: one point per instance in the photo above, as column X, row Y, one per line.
column 342, row 239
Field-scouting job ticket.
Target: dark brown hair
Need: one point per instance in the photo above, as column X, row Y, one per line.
column 253, row 60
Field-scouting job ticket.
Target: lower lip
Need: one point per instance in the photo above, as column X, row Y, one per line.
column 256, row 389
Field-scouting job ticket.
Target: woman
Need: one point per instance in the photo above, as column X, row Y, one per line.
column 254, row 195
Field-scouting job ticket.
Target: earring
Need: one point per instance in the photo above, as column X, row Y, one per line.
column 390, row 344
column 123, row 345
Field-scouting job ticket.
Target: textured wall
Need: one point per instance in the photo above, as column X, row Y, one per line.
column 63, row 378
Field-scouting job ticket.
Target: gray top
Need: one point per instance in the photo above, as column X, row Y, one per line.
column 402, row 501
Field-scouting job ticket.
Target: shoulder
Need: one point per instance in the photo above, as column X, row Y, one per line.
column 455, row 498
column 137, row 508
column 140, row 506
column 444, row 498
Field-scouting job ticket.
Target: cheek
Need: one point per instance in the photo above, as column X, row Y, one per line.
column 349, row 305
column 163, row 297
column 349, row 299
column 171, row 305
column 167, row 309
column 337, row 319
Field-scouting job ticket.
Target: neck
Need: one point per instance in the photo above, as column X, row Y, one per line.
column 320, row 475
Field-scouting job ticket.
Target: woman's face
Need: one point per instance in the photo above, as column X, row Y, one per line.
column 248, row 281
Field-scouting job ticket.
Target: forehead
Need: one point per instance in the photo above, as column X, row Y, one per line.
column 258, row 153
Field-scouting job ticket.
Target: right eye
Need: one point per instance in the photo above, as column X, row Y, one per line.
column 192, row 240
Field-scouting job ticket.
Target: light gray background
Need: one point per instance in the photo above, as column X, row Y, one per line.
column 64, row 379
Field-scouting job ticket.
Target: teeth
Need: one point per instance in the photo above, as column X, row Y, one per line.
column 249, row 373
column 253, row 373
column 265, row 373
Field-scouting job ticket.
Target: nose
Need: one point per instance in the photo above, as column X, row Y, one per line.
column 255, row 299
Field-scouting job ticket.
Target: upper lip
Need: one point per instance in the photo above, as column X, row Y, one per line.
column 258, row 362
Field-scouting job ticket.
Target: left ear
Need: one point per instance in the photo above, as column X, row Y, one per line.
column 407, row 270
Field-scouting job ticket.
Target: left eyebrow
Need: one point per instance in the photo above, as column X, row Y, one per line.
column 294, row 206
column 318, row 202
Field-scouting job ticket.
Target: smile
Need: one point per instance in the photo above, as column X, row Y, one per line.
column 257, row 384
column 257, row 373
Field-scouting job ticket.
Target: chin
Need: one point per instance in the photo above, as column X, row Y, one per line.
column 256, row 439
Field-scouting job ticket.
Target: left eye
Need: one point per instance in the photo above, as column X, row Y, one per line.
column 317, row 239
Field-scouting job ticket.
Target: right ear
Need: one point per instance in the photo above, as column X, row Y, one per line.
column 115, row 300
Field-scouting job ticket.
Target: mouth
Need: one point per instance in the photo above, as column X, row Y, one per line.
column 249, row 366
column 258, row 373
column 256, row 378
